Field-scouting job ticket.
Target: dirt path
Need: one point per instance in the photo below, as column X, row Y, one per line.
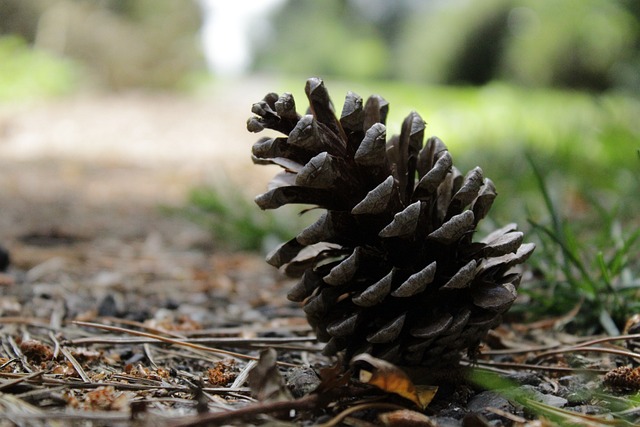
column 82, row 181
column 101, row 164
column 145, row 129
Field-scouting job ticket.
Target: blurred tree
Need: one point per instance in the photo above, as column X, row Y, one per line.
column 19, row 17
column 570, row 43
column 388, row 17
column 590, row 44
column 453, row 42
column 124, row 43
column 323, row 38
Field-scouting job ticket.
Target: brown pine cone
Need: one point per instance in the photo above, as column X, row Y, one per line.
column 391, row 267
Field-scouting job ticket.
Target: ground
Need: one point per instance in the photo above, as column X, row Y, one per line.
column 83, row 184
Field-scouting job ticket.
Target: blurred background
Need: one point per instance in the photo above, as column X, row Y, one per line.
column 544, row 95
column 580, row 44
column 586, row 45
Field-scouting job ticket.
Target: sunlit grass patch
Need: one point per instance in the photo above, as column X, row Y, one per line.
column 27, row 73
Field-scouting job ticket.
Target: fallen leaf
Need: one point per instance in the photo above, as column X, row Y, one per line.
column 265, row 380
column 390, row 378
column 426, row 393
column 332, row 377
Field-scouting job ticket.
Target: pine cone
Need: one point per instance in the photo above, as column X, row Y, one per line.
column 390, row 268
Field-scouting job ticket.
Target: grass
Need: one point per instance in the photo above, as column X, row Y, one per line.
column 236, row 223
column 622, row 408
column 596, row 266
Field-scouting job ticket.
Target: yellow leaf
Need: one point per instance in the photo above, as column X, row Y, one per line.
column 390, row 378
column 426, row 393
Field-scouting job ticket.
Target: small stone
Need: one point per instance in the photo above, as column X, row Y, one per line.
column 489, row 399
column 108, row 307
column 577, row 389
column 302, row 381
column 523, row 378
column 547, row 399
column 447, row 422
column 589, row 409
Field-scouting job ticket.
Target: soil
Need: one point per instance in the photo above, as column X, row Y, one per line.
column 82, row 184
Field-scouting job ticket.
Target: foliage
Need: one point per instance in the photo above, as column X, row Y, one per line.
column 571, row 43
column 453, row 44
column 327, row 38
column 622, row 408
column 592, row 44
column 20, row 17
column 135, row 43
column 26, row 73
column 593, row 269
column 589, row 50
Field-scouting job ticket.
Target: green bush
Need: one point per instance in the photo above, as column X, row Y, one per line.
column 453, row 43
column 30, row 73
column 571, row 43
column 122, row 43
column 323, row 38
column 587, row 44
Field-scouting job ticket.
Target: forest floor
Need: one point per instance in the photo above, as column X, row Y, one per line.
column 115, row 313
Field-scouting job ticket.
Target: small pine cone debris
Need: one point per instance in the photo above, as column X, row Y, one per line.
column 623, row 378
column 390, row 268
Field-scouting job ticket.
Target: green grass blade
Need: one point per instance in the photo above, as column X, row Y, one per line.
column 570, row 256
column 542, row 186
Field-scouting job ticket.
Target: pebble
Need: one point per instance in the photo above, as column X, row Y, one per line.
column 524, row 378
column 447, row 422
column 547, row 399
column 108, row 307
column 489, row 399
column 302, row 381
